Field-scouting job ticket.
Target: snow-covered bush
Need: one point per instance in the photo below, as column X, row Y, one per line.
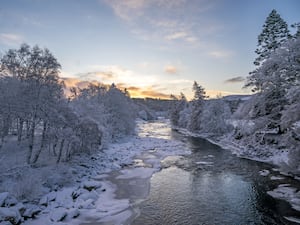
column 291, row 113
column 177, row 105
column 119, row 107
column 89, row 135
column 184, row 117
column 214, row 117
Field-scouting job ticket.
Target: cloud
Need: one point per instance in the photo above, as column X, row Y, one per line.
column 76, row 82
column 10, row 39
column 235, row 80
column 177, row 35
column 136, row 92
column 170, row 69
column 104, row 76
column 128, row 9
column 154, row 94
column 221, row 54
column 162, row 20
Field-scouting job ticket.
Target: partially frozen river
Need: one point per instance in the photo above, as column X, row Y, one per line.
column 210, row 186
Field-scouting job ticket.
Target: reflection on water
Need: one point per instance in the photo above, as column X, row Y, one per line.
column 210, row 186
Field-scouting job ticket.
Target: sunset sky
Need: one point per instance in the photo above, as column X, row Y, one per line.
column 152, row 47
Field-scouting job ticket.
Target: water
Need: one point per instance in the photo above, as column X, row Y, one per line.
column 208, row 187
column 211, row 186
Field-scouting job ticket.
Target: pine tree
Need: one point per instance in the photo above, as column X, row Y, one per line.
column 196, row 107
column 199, row 92
column 275, row 32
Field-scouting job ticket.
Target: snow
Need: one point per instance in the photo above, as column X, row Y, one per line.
column 204, row 163
column 276, row 178
column 90, row 185
column 93, row 196
column 58, row 214
column 292, row 219
column 264, row 172
column 3, row 197
column 10, row 214
column 287, row 193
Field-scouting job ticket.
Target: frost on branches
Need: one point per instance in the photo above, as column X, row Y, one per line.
column 34, row 109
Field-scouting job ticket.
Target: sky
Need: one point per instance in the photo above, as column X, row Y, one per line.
column 153, row 48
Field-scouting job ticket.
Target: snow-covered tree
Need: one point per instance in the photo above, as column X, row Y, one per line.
column 214, row 117
column 278, row 69
column 296, row 26
column 121, row 112
column 37, row 71
column 196, row 107
column 178, row 104
column 274, row 78
column 275, row 32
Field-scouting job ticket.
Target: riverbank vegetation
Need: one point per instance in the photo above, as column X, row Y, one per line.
column 265, row 125
column 33, row 107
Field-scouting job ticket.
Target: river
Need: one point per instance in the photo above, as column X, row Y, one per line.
column 210, row 186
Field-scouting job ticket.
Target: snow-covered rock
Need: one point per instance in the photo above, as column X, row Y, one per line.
column 85, row 204
column 6, row 199
column 264, row 172
column 10, row 214
column 48, row 198
column 73, row 213
column 89, row 195
column 31, row 211
column 58, row 214
column 3, row 196
column 91, row 185
column 11, row 201
column 20, row 207
column 276, row 178
column 5, row 223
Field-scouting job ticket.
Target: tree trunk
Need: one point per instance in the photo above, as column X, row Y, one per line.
column 31, row 142
column 27, row 129
column 60, row 150
column 36, row 156
column 20, row 130
column 54, row 146
column 68, row 155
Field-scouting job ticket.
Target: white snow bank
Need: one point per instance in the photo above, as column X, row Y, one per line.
column 276, row 178
column 204, row 163
column 287, row 193
column 292, row 219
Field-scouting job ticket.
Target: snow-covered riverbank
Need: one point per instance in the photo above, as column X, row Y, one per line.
column 92, row 197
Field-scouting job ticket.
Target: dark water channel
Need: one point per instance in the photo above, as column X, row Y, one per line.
column 211, row 186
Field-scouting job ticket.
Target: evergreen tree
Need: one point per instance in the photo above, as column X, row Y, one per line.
column 275, row 32
column 199, row 92
column 196, row 107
